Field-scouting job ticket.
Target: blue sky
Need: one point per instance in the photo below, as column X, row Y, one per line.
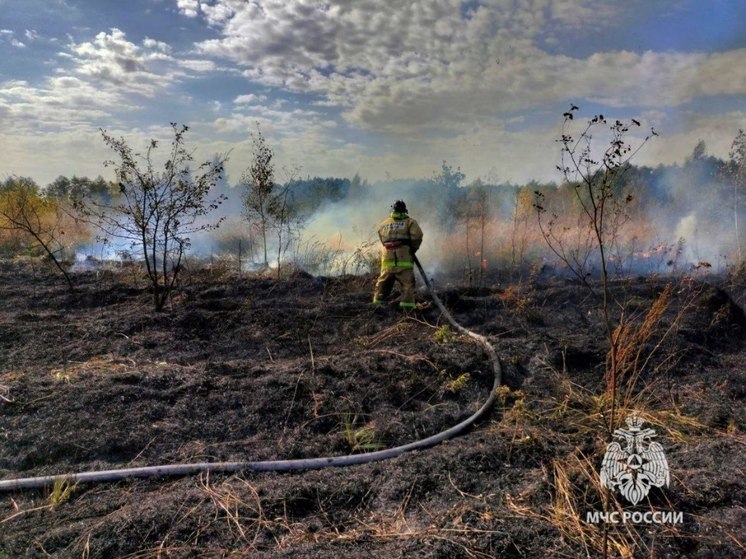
column 386, row 88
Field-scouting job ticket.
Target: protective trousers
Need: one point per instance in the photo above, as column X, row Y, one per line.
column 404, row 276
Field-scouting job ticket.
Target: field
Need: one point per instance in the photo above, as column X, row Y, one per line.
column 251, row 368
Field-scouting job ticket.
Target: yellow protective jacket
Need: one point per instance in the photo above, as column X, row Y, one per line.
column 401, row 236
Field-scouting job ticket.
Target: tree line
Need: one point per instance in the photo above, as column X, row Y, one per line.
column 157, row 209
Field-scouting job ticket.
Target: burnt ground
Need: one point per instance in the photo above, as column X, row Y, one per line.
column 250, row 368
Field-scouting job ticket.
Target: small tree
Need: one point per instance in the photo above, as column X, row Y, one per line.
column 595, row 176
column 736, row 170
column 36, row 218
column 522, row 210
column 260, row 202
column 288, row 222
column 156, row 211
column 448, row 194
column 474, row 210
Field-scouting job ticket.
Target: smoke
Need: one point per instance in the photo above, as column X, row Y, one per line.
column 680, row 217
column 692, row 206
column 350, row 223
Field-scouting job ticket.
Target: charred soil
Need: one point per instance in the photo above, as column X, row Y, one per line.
column 253, row 368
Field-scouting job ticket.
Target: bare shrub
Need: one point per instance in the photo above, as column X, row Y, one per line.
column 156, row 211
column 594, row 174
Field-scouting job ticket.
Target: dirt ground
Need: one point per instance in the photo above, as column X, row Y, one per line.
column 251, row 368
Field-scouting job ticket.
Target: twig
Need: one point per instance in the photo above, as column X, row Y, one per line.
column 310, row 349
column 292, row 404
column 22, row 512
column 464, row 493
column 4, row 393
column 143, row 450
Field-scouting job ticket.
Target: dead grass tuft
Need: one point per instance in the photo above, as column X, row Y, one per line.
column 576, row 416
column 101, row 364
column 395, row 331
column 242, row 507
column 576, row 490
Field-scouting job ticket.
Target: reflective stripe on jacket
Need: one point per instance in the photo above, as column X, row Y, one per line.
column 401, row 236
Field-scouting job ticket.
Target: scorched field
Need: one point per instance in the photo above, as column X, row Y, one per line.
column 249, row 368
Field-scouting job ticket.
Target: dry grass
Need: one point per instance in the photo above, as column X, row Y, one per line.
column 101, row 364
column 573, row 410
column 416, row 522
column 577, row 489
column 242, row 509
column 576, row 416
column 393, row 332
column 360, row 438
column 223, row 271
column 237, row 505
column 640, row 344
column 108, row 365
column 514, row 297
column 62, row 491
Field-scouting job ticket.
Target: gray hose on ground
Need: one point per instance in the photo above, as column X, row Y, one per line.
column 284, row 465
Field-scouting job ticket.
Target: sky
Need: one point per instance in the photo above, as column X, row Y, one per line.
column 383, row 88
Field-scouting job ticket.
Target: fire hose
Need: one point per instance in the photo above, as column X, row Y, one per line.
column 286, row 465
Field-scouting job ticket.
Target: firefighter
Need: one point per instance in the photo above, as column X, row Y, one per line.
column 401, row 236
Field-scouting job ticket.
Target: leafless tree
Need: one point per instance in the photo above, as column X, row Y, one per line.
column 594, row 174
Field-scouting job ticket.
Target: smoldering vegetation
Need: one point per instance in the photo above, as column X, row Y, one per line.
column 267, row 347
column 675, row 219
column 667, row 220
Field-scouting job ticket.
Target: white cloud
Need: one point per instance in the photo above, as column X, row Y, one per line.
column 73, row 150
column 189, row 8
column 198, row 65
column 578, row 14
column 718, row 132
column 61, row 154
column 283, row 123
column 439, row 78
column 114, row 62
column 412, row 65
column 64, row 102
column 249, row 99
column 16, row 43
column 217, row 14
column 159, row 45
column 389, row 67
column 94, row 84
